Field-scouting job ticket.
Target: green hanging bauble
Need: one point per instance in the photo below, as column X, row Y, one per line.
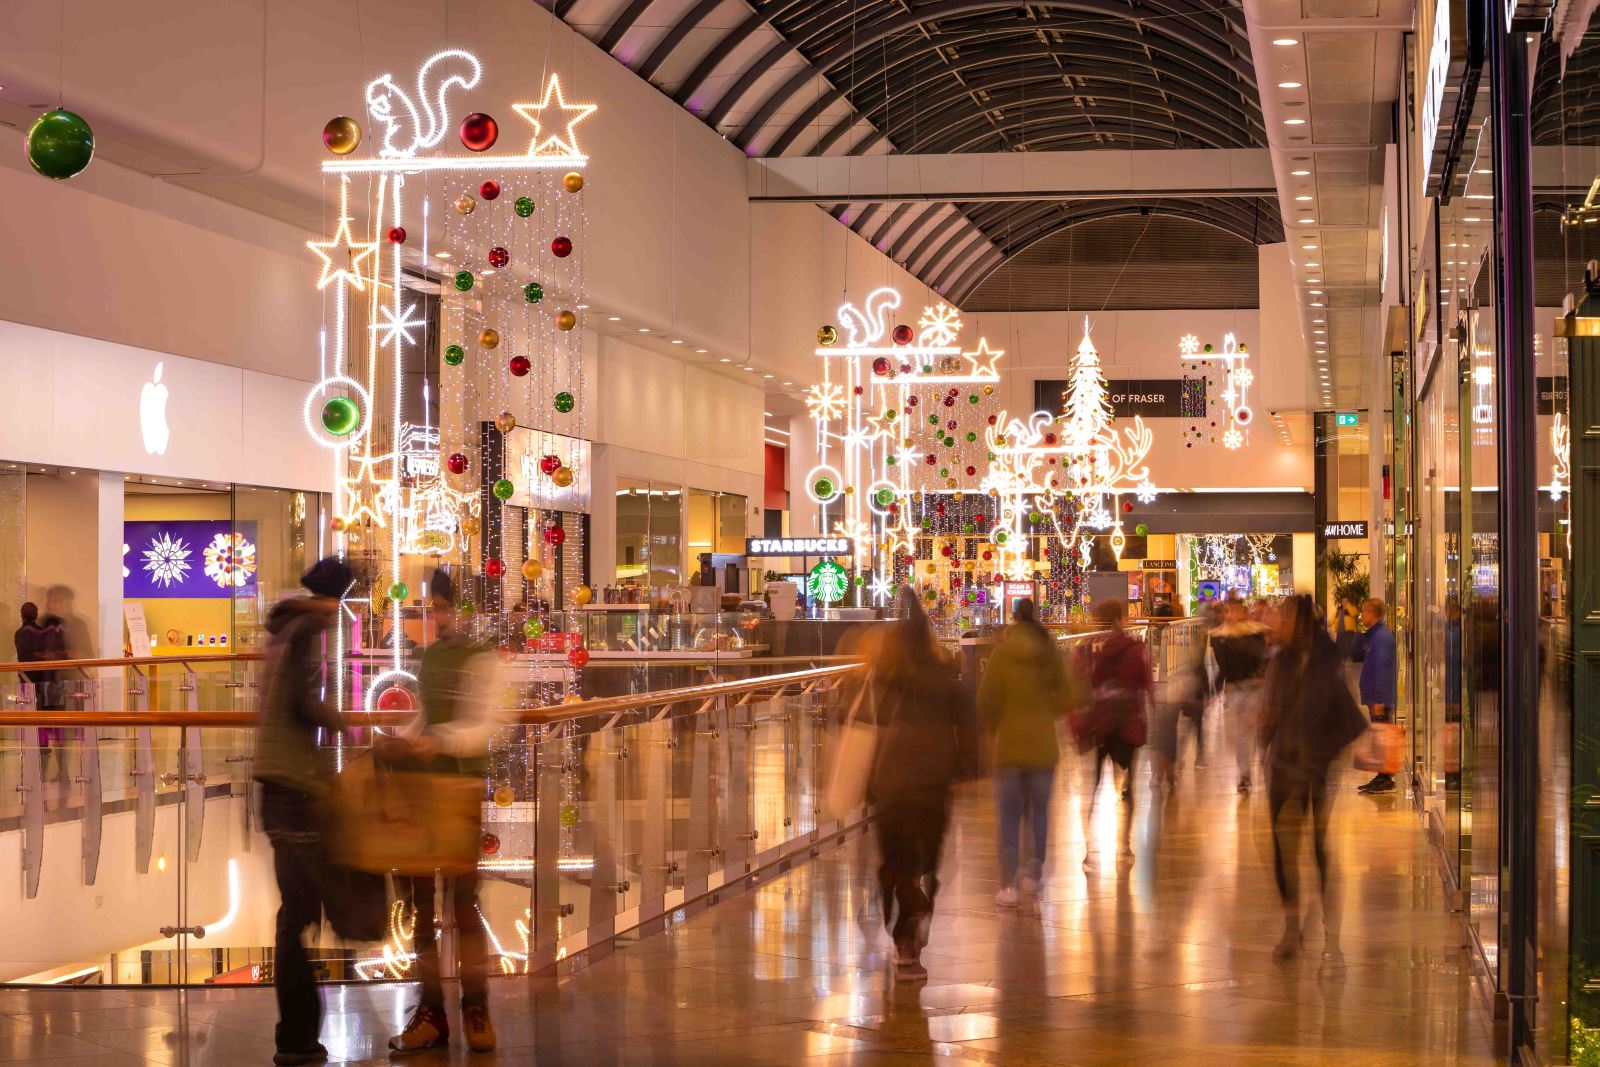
column 564, row 402
column 533, row 628
column 523, row 207
column 341, row 416
column 1035, row 518
column 463, row 280
column 465, row 607
column 824, row 489
column 1000, row 537
column 59, row 144
column 399, row 591
column 454, row 355
column 885, row 497
column 569, row 815
column 533, row 292
column 927, row 523
column 861, row 579
column 503, row 489
column 972, row 398
column 967, row 528
column 933, row 420
column 971, row 436
column 944, row 472
column 1142, row 529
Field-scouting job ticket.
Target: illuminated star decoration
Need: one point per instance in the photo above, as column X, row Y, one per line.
column 983, row 359
column 364, row 491
column 397, row 327
column 353, row 252
column 553, row 145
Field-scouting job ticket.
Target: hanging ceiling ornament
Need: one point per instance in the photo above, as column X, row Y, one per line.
column 1237, row 378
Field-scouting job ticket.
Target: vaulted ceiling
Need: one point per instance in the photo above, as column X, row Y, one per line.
column 860, row 77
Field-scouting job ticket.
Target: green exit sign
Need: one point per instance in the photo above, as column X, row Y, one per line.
column 1345, row 418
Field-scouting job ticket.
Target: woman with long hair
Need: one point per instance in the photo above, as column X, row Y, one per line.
column 927, row 741
column 1308, row 717
column 1026, row 689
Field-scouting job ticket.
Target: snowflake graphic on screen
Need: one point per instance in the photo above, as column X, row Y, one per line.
column 230, row 560
column 167, row 560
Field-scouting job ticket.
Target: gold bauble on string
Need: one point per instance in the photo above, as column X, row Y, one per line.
column 532, row 569
column 572, row 181
column 470, row 526
column 988, row 390
column 338, row 524
column 505, row 422
column 950, row 365
column 827, row 335
column 583, row 594
column 466, row 204
column 562, row 476
column 572, row 698
column 342, row 135
column 489, row 338
column 950, row 483
column 566, row 320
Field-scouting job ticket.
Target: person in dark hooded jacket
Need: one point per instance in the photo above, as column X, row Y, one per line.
column 927, row 741
column 295, row 779
column 1308, row 717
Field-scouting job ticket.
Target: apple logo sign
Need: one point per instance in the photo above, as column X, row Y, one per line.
column 153, row 415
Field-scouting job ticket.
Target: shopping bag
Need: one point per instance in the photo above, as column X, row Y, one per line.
column 408, row 822
column 851, row 772
column 1382, row 749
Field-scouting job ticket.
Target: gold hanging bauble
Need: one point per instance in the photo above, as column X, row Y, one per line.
column 562, row 476
column 532, row 569
column 565, row 320
column 466, row 204
column 572, row 698
column 583, row 594
column 827, row 336
column 572, row 181
column 988, row 390
column 505, row 422
column 950, row 365
column 470, row 526
column 489, row 338
column 950, row 483
column 341, row 135
column 503, row 796
column 338, row 524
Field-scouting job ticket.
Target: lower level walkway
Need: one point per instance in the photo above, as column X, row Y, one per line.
column 1165, row 958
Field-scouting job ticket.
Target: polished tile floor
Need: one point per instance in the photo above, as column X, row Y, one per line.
column 1165, row 958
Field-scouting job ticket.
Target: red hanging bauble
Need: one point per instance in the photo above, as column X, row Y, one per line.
column 396, row 698
column 932, row 459
column 554, row 536
column 397, row 235
column 949, row 401
column 498, row 257
column 971, row 470
column 981, row 519
column 880, row 366
column 1127, row 505
column 903, row 335
column 479, row 132
column 938, row 509
column 561, row 247
column 457, row 463
column 550, row 464
column 947, row 550
column 578, row 657
column 911, row 401
column 991, row 420
column 493, row 567
column 520, row 366
column 489, row 189
column 1049, row 438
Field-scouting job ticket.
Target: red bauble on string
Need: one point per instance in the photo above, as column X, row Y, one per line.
column 947, row 550
column 938, row 509
column 880, row 366
column 991, row 420
column 561, row 247
column 949, row 401
column 479, row 132
column 1049, row 438
column 932, row 459
column 550, row 464
column 494, row 568
column 1127, row 505
column 981, row 519
column 859, row 390
column 554, row 536
column 911, row 401
column 498, row 257
column 397, row 235
column 456, row 464
column 520, row 366
column 578, row 657
column 902, row 335
column 396, row 698
column 489, row 189
column 971, row 470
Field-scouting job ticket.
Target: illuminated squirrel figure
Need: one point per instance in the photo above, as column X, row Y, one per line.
column 389, row 104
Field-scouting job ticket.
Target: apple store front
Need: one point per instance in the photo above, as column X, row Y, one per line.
column 188, row 551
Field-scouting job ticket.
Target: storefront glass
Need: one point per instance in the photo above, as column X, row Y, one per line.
column 649, row 524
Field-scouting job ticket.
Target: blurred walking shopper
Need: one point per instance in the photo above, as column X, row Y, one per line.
column 1025, row 691
column 1374, row 649
column 1116, row 722
column 1239, row 646
column 296, row 778
column 39, row 641
column 1308, row 718
column 927, row 741
column 459, row 718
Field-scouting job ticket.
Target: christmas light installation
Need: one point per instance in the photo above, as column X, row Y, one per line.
column 894, row 416
column 394, row 495
column 1561, row 458
column 1236, row 381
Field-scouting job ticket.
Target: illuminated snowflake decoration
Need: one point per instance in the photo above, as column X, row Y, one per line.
column 940, row 324
column 1145, row 491
column 397, row 327
column 1245, row 377
column 825, row 401
column 1097, row 518
column 167, row 560
column 880, row 589
column 230, row 560
column 1189, row 345
column 1232, row 439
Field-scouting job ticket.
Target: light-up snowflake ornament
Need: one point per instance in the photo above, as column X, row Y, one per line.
column 230, row 560
column 939, row 325
column 167, row 560
column 825, row 401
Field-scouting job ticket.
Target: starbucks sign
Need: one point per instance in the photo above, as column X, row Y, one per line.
column 827, row 582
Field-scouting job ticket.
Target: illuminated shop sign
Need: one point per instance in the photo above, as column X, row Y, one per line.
column 201, row 559
column 799, row 546
column 1344, row 531
column 1154, row 398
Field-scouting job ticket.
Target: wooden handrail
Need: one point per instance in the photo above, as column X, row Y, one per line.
column 356, row 720
column 128, row 661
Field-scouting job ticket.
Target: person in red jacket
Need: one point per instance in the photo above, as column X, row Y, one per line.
column 1117, row 723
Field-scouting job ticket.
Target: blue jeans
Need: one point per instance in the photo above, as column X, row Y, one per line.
column 1017, row 791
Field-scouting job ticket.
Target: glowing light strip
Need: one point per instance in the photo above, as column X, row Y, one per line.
column 461, row 163
column 399, row 388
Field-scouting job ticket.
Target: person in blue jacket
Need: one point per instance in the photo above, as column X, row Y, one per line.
column 1374, row 649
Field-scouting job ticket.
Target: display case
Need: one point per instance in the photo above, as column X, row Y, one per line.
column 628, row 630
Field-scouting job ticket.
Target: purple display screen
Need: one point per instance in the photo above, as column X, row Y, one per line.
column 188, row 558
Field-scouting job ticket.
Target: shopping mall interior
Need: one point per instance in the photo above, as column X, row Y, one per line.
column 581, row 531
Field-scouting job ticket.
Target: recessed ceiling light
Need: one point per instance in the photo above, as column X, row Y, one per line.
column 788, row 383
column 767, row 375
column 1313, row 264
column 1312, row 247
column 613, row 318
column 1304, row 197
column 1314, row 292
column 1294, row 122
column 1285, row 42
column 1307, row 222
column 1472, row 218
column 725, row 359
column 1300, row 173
column 1317, row 304
column 441, row 255
column 700, row 351
column 1319, row 331
column 677, row 340
column 644, row 329
column 751, row 370
column 1288, row 85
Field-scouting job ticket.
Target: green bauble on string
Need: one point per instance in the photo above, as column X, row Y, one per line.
column 564, row 402
column 523, row 207
column 533, row 292
column 463, row 280
column 399, row 591
column 341, row 416
column 59, row 144
column 454, row 355
column 503, row 489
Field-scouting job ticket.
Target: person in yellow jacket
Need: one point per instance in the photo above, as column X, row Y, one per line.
column 1025, row 692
